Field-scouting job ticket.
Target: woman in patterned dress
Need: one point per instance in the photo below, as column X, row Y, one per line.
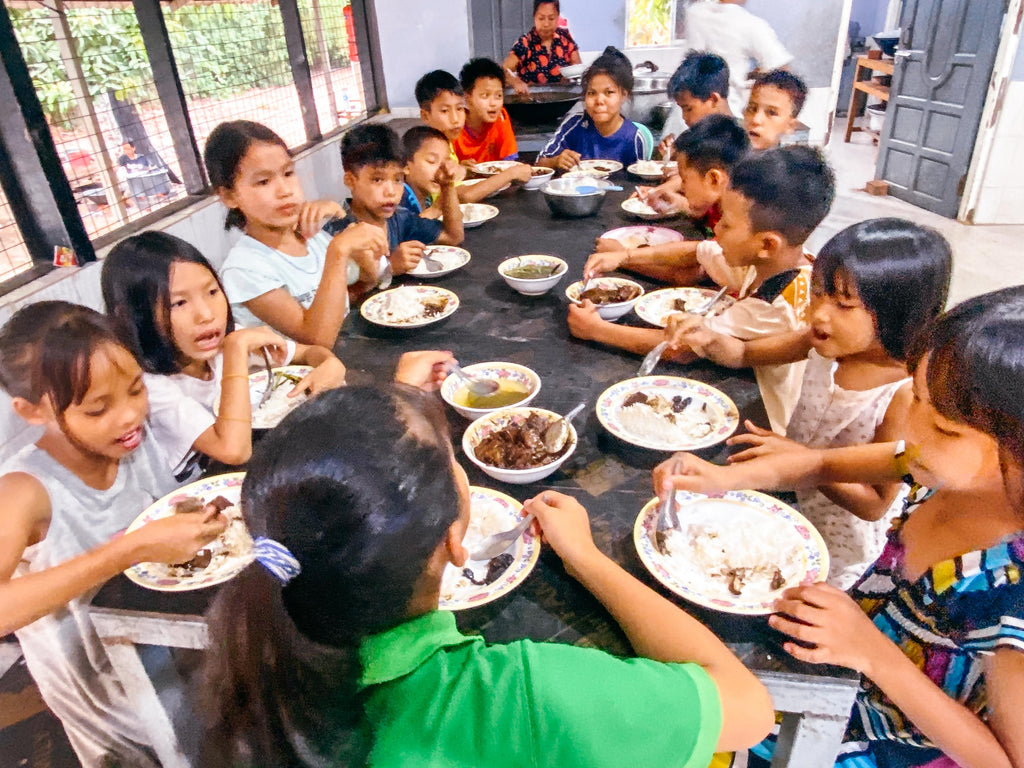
column 538, row 56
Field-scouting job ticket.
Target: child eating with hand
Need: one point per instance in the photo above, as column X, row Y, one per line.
column 774, row 201
column 487, row 134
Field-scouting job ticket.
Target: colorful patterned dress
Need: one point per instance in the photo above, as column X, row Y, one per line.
column 540, row 65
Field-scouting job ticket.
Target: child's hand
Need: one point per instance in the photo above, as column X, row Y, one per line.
column 664, row 200
column 602, row 263
column 667, row 147
column 406, row 256
column 177, row 538
column 361, row 242
column 521, row 172
column 425, row 369
column 249, row 340
column 692, row 474
column 447, row 172
column 686, row 331
column 313, row 214
column 330, row 374
column 565, row 525
column 762, row 442
column 828, row 619
column 584, row 320
column 567, row 160
column 605, row 244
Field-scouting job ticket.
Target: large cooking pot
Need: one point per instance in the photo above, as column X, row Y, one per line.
column 649, row 93
column 545, row 104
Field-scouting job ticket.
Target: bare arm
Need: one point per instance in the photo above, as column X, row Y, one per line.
column 474, row 193
column 656, row 628
column 586, row 323
column 448, row 202
column 686, row 331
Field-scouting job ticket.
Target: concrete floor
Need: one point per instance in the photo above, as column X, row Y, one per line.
column 985, row 257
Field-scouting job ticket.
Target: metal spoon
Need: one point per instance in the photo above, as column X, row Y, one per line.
column 431, row 262
column 707, row 306
column 651, row 359
column 475, row 384
column 497, row 543
column 558, row 432
column 270, row 379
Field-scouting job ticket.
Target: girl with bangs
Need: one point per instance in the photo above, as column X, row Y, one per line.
column 63, row 501
column 936, row 624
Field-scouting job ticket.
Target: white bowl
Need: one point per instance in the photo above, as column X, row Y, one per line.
column 607, row 311
column 572, row 71
column 502, row 418
column 539, row 180
column 649, row 170
column 475, row 214
column 533, row 286
column 495, row 372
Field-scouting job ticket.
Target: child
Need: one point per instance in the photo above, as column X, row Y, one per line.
column 374, row 163
column 345, row 656
column 487, row 135
column 169, row 309
column 874, row 287
column 774, row 202
column 63, row 502
column 601, row 132
column 705, row 156
column 700, row 86
column 935, row 625
column 284, row 271
column 775, row 103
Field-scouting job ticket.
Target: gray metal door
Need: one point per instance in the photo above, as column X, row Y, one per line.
column 497, row 24
column 943, row 66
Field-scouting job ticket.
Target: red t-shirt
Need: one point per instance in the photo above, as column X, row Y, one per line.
column 497, row 141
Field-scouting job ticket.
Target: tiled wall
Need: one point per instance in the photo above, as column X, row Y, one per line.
column 1002, row 188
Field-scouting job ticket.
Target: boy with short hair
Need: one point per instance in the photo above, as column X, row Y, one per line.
column 774, row 201
column 374, row 163
column 700, row 86
column 442, row 106
column 775, row 103
column 488, row 134
column 705, row 156
column 426, row 150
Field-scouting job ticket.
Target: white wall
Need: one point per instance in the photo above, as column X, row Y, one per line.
column 1001, row 200
column 416, row 38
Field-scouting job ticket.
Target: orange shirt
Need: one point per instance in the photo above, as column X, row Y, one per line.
column 497, row 141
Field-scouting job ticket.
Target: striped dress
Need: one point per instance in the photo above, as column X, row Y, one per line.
column 955, row 614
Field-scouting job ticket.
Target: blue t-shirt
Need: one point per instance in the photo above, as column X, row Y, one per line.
column 630, row 143
column 403, row 226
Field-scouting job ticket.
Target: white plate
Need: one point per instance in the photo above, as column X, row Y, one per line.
column 491, row 512
column 601, row 168
column 637, row 207
column 475, row 214
column 380, row 309
column 449, row 256
column 641, row 236
column 494, row 167
column 764, row 518
column 650, row 170
column 258, row 385
column 156, row 575
column 722, row 412
column 656, row 306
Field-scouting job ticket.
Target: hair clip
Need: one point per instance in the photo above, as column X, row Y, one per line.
column 276, row 558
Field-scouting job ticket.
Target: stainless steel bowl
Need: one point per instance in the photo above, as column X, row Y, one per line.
column 564, row 201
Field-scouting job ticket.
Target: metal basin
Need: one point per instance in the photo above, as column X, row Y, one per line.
column 564, row 201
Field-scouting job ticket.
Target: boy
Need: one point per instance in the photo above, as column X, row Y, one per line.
column 374, row 163
column 705, row 155
column 442, row 107
column 775, row 102
column 426, row 150
column 700, row 86
column 487, row 135
column 774, row 201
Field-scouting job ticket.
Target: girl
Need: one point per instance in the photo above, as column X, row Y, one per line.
column 285, row 271
column 62, row 503
column 936, row 625
column 601, row 132
column 336, row 654
column 874, row 286
column 169, row 308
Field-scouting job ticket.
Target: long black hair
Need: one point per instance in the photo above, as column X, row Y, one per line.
column 225, row 148
column 362, row 504
column 975, row 374
column 136, row 283
column 900, row 271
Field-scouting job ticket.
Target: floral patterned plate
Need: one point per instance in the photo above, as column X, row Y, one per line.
column 490, row 512
column 232, row 550
column 494, row 167
column 643, row 236
column 448, row 256
column 758, row 530
column 656, row 306
column 410, row 306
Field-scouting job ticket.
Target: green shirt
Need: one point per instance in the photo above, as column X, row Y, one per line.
column 436, row 697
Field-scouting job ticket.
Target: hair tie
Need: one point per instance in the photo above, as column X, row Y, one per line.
column 276, row 558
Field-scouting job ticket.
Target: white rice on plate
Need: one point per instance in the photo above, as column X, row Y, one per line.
column 664, row 426
column 233, row 543
column 278, row 405
column 485, row 520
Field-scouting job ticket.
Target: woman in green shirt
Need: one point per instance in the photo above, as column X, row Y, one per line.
column 335, row 653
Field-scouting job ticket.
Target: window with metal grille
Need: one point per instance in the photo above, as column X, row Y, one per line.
column 329, row 33
column 14, row 256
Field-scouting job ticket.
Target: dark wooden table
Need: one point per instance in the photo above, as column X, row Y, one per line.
column 610, row 478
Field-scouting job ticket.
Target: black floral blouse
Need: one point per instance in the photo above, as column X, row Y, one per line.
column 540, row 65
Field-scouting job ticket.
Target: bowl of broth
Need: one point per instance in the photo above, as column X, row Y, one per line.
column 534, row 274
column 517, row 386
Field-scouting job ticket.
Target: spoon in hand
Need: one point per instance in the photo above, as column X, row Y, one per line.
column 475, row 384
column 558, row 432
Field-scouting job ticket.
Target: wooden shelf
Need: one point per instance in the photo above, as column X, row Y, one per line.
column 873, row 89
column 885, row 66
column 864, row 86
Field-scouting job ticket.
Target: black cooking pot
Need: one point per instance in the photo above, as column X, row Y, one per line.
column 545, row 104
